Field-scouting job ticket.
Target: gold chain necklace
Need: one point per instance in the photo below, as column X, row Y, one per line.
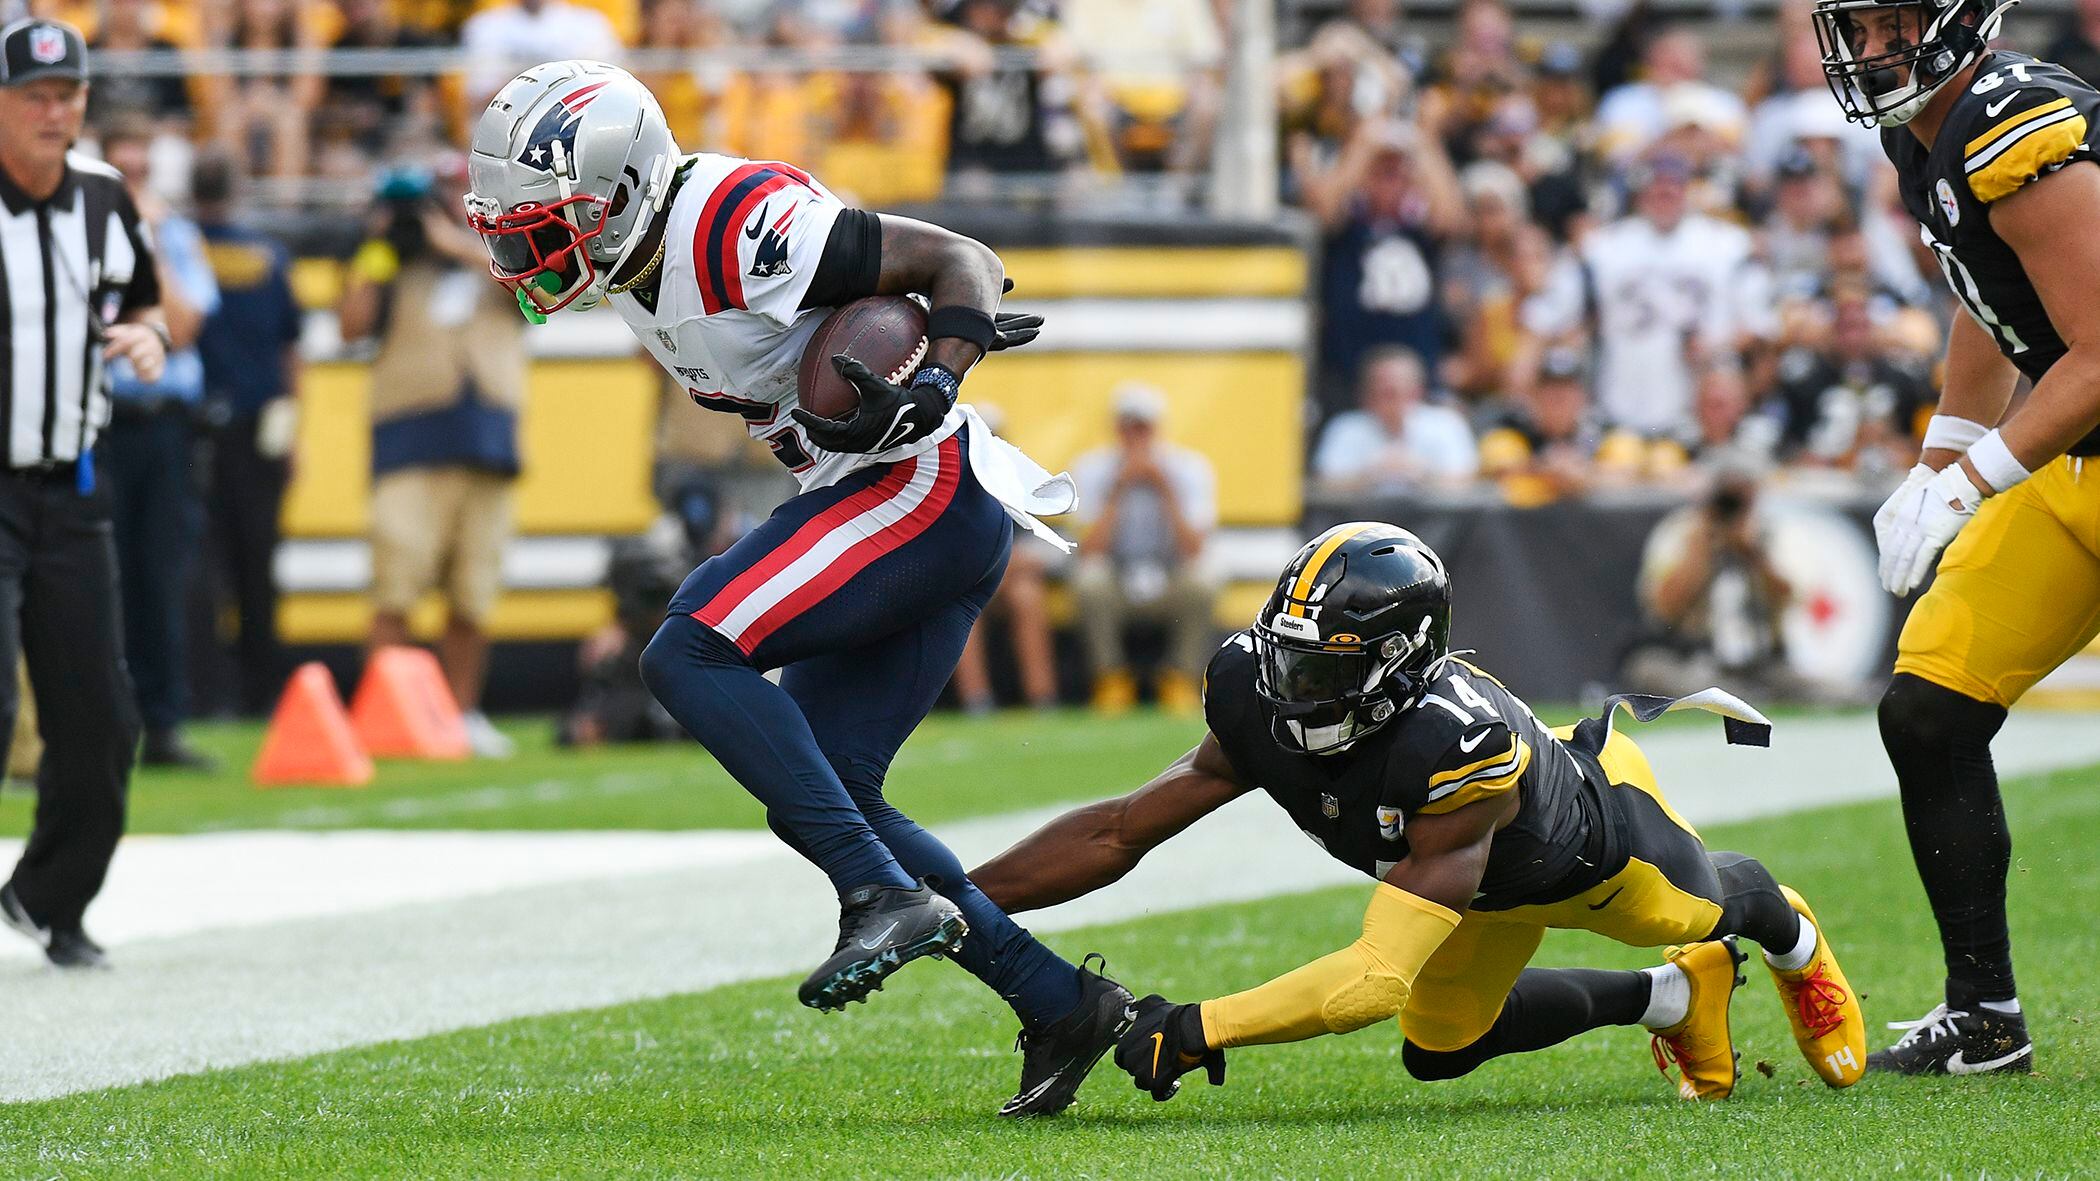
column 654, row 261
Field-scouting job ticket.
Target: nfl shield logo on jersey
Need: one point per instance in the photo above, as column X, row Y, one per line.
column 663, row 336
column 1948, row 205
column 47, row 45
column 1330, row 807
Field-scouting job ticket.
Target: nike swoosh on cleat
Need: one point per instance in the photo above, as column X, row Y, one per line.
column 872, row 944
column 1956, row 1065
column 1608, row 898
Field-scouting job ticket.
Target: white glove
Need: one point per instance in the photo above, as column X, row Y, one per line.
column 1919, row 521
column 1886, row 514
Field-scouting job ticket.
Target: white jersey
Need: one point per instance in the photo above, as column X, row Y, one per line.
column 741, row 247
column 729, row 326
column 1662, row 300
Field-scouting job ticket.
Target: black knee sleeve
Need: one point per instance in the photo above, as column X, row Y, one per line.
column 1751, row 904
column 1939, row 741
column 1545, row 1007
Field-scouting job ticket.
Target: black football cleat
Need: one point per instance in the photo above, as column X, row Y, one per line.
column 69, row 948
column 1951, row 1041
column 881, row 929
column 15, row 915
column 1056, row 1058
column 74, row 950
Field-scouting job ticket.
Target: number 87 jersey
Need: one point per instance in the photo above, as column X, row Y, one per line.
column 2020, row 119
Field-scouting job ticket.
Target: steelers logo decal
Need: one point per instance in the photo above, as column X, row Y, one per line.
column 1948, row 205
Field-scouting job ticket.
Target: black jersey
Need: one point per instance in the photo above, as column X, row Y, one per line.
column 2018, row 120
column 1468, row 739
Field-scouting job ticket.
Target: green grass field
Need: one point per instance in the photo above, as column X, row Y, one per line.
column 954, row 767
column 741, row 1082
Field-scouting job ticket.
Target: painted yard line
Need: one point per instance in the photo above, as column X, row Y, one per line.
column 241, row 947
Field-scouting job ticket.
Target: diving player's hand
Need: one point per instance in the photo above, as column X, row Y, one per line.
column 1919, row 521
column 1164, row 1043
column 888, row 415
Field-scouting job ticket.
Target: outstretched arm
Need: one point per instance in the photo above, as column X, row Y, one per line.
column 1090, row 847
column 1417, row 905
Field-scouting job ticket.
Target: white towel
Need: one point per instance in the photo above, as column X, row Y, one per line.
column 1018, row 483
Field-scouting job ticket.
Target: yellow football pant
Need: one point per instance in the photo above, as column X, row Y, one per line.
column 1666, row 894
column 2018, row 592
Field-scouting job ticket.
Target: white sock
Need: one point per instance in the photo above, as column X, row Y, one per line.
column 2005, row 1006
column 1803, row 951
column 1669, row 996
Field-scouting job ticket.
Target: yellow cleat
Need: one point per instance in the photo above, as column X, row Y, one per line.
column 1700, row 1046
column 1829, row 1025
column 1114, row 692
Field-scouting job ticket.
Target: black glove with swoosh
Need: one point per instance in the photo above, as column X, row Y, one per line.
column 888, row 415
column 1164, row 1043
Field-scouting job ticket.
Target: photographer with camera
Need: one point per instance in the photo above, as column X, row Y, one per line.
column 448, row 384
column 1713, row 596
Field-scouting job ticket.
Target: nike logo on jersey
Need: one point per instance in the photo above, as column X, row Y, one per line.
column 872, row 944
column 1991, row 111
column 1608, row 898
column 1958, row 1065
column 758, row 224
column 1466, row 747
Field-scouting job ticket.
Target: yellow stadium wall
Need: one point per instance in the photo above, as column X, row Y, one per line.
column 588, row 428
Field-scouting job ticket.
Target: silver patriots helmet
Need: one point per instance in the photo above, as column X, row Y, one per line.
column 565, row 168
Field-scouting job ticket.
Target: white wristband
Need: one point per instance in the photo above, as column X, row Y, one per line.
column 1954, row 434
column 1994, row 461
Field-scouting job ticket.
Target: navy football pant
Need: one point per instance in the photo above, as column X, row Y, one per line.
column 862, row 594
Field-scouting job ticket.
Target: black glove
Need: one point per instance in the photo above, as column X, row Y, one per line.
column 1011, row 330
column 1164, row 1043
column 888, row 415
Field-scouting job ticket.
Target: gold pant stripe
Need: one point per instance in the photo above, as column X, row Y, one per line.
column 2018, row 592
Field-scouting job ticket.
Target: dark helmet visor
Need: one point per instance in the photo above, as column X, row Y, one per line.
column 1311, row 676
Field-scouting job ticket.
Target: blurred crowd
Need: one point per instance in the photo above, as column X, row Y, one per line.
column 944, row 96
column 1561, row 267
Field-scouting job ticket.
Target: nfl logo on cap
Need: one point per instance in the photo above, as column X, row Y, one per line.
column 47, row 45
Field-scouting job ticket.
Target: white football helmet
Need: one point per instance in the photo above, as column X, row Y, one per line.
column 566, row 167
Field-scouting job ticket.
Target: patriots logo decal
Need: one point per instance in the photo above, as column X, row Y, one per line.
column 558, row 126
column 770, row 261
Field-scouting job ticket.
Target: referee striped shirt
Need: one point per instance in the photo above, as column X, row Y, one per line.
column 70, row 264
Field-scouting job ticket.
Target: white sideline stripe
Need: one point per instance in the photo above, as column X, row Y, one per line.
column 243, row 947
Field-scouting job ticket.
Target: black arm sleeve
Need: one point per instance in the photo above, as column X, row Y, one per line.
column 851, row 265
column 144, row 289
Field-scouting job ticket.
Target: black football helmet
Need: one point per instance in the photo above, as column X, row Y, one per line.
column 1351, row 635
column 1938, row 39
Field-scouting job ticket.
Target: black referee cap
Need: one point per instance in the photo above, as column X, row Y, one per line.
column 32, row 49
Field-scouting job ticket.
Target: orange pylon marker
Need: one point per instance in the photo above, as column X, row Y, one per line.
column 404, row 709
column 309, row 742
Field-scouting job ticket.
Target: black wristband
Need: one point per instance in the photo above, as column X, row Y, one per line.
column 962, row 323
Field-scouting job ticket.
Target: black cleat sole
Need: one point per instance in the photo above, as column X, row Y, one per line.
column 855, row 981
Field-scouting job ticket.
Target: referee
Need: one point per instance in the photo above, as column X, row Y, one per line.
column 77, row 288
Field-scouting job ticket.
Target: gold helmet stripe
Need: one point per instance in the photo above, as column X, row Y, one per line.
column 1302, row 589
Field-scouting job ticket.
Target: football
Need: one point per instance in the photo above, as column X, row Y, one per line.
column 887, row 333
